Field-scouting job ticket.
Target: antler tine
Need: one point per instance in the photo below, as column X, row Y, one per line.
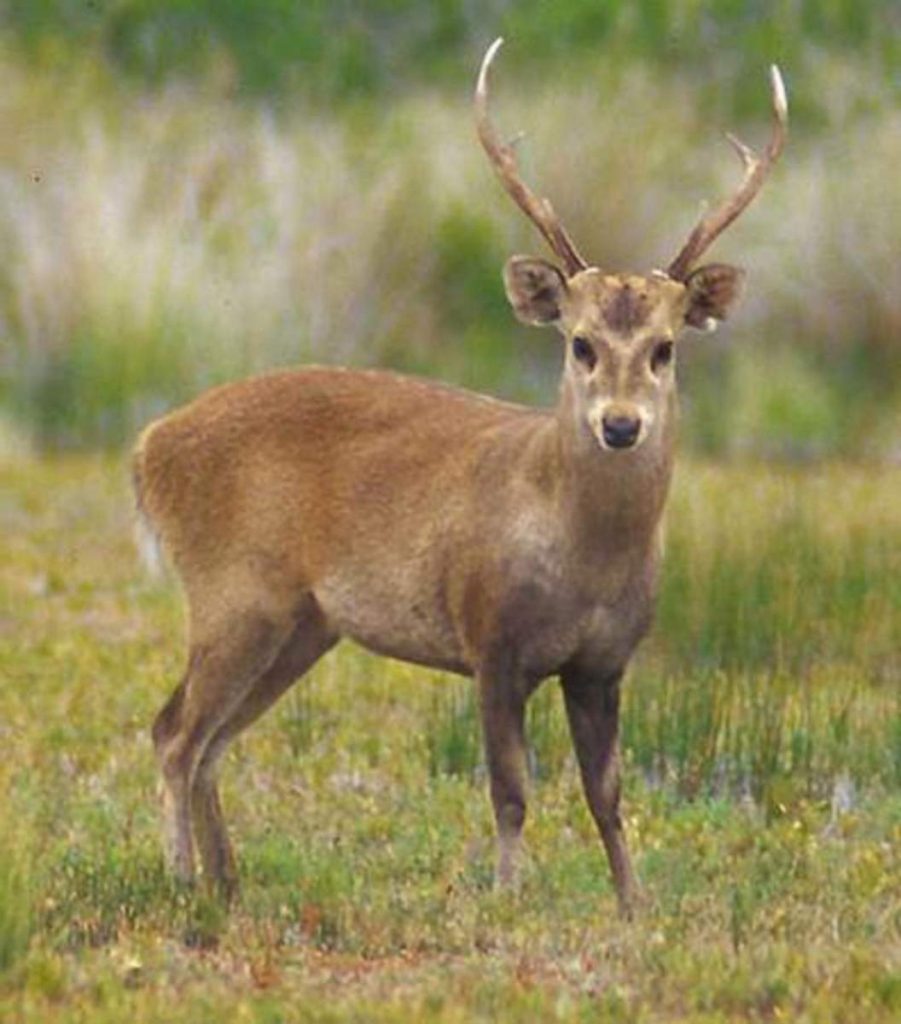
column 756, row 171
column 503, row 159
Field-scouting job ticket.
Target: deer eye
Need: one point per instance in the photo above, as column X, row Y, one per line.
column 583, row 352
column 662, row 355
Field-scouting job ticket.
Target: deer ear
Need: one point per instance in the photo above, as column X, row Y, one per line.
column 712, row 291
column 536, row 289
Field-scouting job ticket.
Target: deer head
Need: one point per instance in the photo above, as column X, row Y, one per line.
column 621, row 329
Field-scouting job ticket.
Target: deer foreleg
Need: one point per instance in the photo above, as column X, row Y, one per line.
column 592, row 707
column 503, row 712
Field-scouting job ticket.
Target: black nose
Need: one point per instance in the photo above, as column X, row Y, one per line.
column 620, row 431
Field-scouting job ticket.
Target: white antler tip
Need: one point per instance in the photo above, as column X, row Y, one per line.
column 490, row 53
column 780, row 97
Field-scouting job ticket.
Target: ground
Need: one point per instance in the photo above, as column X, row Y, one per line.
column 762, row 792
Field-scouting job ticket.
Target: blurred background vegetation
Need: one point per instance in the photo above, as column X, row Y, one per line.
column 192, row 190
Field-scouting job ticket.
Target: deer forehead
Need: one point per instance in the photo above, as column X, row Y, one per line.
column 624, row 306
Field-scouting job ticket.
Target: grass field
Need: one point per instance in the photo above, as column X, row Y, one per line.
column 762, row 792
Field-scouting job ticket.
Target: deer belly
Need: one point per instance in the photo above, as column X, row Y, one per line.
column 381, row 613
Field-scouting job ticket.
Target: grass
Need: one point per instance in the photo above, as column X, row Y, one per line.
column 762, row 792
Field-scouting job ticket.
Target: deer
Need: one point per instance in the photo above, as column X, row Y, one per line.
column 501, row 542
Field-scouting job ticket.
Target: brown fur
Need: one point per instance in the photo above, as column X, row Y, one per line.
column 429, row 524
column 627, row 309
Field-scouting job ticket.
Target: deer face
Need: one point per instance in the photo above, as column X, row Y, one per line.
column 620, row 332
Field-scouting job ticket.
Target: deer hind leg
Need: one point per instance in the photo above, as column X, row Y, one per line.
column 226, row 657
column 310, row 639
column 503, row 715
column 592, row 707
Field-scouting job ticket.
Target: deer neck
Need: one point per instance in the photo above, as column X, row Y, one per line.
column 612, row 501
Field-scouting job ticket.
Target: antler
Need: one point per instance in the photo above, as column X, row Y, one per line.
column 756, row 171
column 503, row 159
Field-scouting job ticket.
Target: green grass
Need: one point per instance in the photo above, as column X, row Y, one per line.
column 762, row 733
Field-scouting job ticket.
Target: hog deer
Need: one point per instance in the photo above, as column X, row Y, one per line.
column 437, row 526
